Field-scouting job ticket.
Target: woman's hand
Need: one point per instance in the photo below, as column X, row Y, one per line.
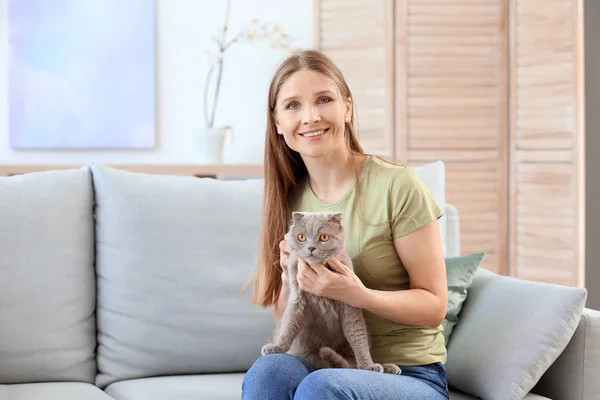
column 284, row 252
column 341, row 284
column 280, row 305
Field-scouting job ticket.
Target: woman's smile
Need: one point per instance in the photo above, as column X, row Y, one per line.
column 314, row 134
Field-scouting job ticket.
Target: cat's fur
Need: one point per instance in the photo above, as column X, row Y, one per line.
column 325, row 332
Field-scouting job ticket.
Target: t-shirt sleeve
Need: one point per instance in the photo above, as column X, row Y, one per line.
column 412, row 204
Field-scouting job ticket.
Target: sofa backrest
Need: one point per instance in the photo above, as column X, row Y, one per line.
column 47, row 280
column 107, row 274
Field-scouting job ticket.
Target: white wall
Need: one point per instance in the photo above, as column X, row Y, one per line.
column 184, row 32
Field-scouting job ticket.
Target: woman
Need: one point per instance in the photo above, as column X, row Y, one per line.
column 313, row 162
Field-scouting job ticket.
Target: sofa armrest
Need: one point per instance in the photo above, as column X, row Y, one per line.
column 575, row 373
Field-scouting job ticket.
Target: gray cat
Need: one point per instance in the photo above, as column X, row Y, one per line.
column 325, row 332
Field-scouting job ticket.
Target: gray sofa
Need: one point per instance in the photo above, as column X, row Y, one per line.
column 127, row 286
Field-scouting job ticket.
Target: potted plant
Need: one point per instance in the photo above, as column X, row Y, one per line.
column 214, row 137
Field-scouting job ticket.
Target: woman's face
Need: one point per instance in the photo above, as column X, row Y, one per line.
column 311, row 114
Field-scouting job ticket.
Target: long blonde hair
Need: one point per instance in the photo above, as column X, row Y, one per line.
column 284, row 168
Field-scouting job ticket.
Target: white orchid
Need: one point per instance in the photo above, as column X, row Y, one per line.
column 255, row 30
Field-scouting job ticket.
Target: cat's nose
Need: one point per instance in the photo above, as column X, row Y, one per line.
column 311, row 249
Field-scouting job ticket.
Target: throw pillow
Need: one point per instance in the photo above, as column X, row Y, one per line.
column 460, row 272
column 511, row 330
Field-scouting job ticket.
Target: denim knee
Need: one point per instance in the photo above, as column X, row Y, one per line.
column 274, row 376
column 319, row 385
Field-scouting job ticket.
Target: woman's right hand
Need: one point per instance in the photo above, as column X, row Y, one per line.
column 284, row 252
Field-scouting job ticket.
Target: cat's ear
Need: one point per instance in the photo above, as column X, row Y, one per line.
column 336, row 217
column 297, row 216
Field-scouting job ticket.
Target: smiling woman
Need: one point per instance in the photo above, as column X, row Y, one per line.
column 314, row 163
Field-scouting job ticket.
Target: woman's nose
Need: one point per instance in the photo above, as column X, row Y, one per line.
column 311, row 115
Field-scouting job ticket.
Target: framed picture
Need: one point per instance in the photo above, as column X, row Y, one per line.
column 82, row 74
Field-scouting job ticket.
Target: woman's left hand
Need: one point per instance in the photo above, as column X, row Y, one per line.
column 341, row 284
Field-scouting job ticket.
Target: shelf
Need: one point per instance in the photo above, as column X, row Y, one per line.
column 168, row 169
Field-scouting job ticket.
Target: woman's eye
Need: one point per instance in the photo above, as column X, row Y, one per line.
column 324, row 100
column 292, row 106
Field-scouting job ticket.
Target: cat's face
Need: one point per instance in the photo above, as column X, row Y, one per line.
column 316, row 236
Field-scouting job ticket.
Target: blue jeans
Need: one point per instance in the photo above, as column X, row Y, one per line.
column 282, row 376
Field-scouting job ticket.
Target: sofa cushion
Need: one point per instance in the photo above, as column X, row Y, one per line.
column 210, row 386
column 173, row 255
column 433, row 176
column 460, row 272
column 52, row 391
column 47, row 280
column 190, row 387
column 510, row 332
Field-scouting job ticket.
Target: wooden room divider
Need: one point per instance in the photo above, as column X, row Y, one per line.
column 494, row 88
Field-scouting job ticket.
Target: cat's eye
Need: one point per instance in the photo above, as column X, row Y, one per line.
column 324, row 237
column 302, row 237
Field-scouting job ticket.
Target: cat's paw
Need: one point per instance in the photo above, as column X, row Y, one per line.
column 391, row 369
column 272, row 348
column 374, row 367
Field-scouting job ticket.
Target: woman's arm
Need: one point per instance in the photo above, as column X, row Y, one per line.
column 426, row 302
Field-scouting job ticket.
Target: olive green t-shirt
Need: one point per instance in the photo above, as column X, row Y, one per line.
column 393, row 202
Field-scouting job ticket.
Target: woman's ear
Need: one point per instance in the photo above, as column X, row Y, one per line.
column 276, row 122
column 348, row 113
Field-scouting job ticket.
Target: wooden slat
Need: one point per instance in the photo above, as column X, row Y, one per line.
column 547, row 156
column 545, row 176
column 482, row 155
column 455, row 20
column 471, row 143
column 365, row 57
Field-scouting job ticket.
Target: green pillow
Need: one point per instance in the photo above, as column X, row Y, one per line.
column 460, row 272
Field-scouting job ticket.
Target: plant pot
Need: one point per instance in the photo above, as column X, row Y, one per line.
column 211, row 143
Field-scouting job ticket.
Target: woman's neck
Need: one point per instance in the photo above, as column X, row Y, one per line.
column 331, row 175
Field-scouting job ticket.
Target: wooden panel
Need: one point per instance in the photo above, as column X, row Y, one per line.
column 451, row 94
column 494, row 89
column 546, row 229
column 365, row 57
column 546, row 172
